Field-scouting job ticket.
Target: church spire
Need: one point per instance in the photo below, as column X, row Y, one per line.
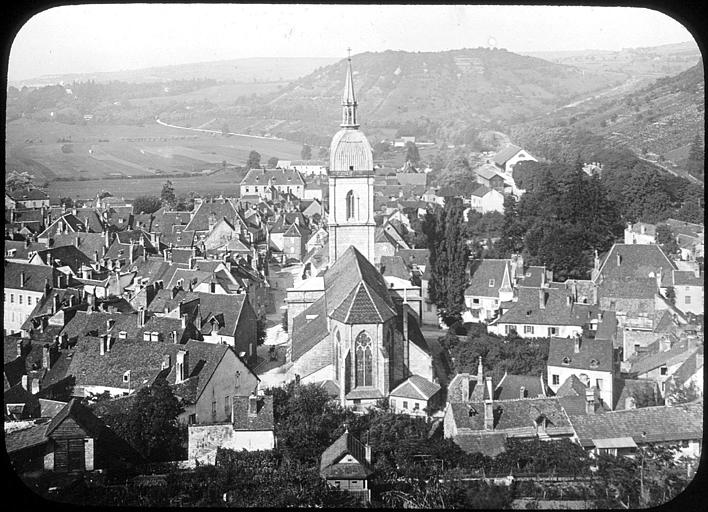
column 348, row 98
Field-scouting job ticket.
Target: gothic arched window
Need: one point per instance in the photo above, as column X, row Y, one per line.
column 350, row 204
column 337, row 342
column 363, row 360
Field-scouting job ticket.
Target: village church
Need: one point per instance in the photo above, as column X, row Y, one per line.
column 348, row 330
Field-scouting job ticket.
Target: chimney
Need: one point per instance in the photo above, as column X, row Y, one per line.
column 19, row 348
column 95, row 256
column 182, row 366
column 619, row 259
column 569, row 300
column 22, row 279
column 589, row 401
column 35, row 386
column 212, row 287
column 55, row 303
column 103, row 344
column 46, row 357
column 131, row 252
column 47, row 288
column 665, row 344
column 106, row 240
column 522, row 392
column 109, row 342
column 173, row 335
column 367, row 452
column 252, row 405
column 184, row 320
column 25, row 382
column 659, row 275
column 77, row 241
column 576, row 344
column 166, row 360
column 541, row 298
column 141, row 317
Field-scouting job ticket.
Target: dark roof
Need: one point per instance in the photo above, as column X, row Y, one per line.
column 81, row 414
column 220, row 210
column 414, row 256
column 491, row 444
column 66, row 255
column 484, row 273
column 687, row 278
column 18, row 440
column 89, row 243
column 636, row 261
column 395, row 266
column 346, row 444
column 263, row 419
column 28, row 194
column 644, row 424
column 512, row 414
column 164, row 300
column 594, row 355
column 527, row 309
column 628, row 288
column 644, row 363
column 505, row 154
column 342, row 283
column 308, row 333
column 22, row 248
column 276, row 177
column 35, row 276
column 226, row 308
column 509, row 387
column 417, row 387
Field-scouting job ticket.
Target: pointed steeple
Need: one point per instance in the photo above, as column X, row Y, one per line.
column 349, row 100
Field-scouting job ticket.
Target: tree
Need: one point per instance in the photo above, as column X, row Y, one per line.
column 254, row 160
column 16, row 180
column 695, row 162
column 66, row 202
column 273, row 162
column 168, row 195
column 151, row 425
column 146, row 204
column 666, row 240
column 411, row 153
column 306, row 152
column 261, row 329
column 683, row 394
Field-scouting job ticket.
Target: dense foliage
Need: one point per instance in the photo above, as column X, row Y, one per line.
column 147, row 204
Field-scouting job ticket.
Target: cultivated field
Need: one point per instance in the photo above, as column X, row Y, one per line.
column 50, row 150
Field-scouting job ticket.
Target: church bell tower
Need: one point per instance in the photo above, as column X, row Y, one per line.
column 351, row 183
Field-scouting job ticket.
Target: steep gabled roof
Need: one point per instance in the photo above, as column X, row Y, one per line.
column 342, row 282
column 346, row 444
column 416, row 387
column 505, row 154
column 487, row 277
column 596, row 355
column 308, row 333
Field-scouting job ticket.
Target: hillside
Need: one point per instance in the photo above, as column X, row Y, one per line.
column 267, row 69
column 435, row 95
column 658, row 122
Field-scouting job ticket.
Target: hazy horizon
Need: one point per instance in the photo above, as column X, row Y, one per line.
column 101, row 38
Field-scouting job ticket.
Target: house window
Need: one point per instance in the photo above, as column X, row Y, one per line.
column 687, row 299
column 528, row 329
column 405, row 404
column 363, row 360
column 192, row 419
column 507, row 329
column 226, row 405
column 556, row 379
column 491, row 283
column 29, row 300
column 19, row 297
column 416, row 406
column 552, row 331
column 684, row 443
column 12, row 297
column 598, row 383
column 337, row 484
column 475, row 301
column 213, row 409
column 566, row 360
column 664, row 370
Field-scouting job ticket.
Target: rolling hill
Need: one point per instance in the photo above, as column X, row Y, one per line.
column 434, row 94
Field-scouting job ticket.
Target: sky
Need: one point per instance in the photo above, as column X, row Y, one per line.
column 105, row 37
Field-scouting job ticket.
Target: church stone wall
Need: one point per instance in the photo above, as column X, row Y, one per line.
column 315, row 359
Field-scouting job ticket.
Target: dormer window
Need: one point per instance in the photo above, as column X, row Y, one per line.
column 594, row 363
column 491, row 283
column 566, row 360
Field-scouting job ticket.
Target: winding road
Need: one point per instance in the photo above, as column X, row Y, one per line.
column 218, row 132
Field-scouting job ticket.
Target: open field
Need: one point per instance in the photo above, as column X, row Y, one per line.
column 219, row 94
column 95, row 152
column 226, row 183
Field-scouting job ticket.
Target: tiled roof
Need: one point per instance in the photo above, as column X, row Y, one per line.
column 414, row 256
column 676, row 354
column 346, row 444
column 527, row 309
column 200, row 220
column 22, row 248
column 511, row 414
column 636, row 261
column 89, row 243
column 395, row 266
column 342, row 280
column 533, row 277
column 226, row 308
column 28, row 194
column 686, row 278
column 277, row 177
column 505, row 154
column 26, row 438
column 484, row 273
column 491, row 444
column 571, row 387
column 643, row 425
column 630, row 288
column 164, row 300
column 593, row 355
column 416, row 386
column 263, row 420
column 79, row 413
column 509, row 386
column 67, row 220
column 625, row 388
column 307, row 334
column 67, row 255
column 35, row 276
